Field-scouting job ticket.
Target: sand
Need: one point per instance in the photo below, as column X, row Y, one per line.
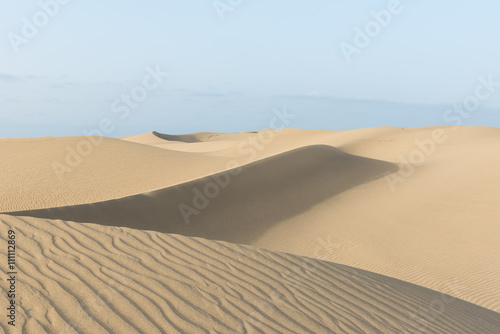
column 87, row 278
column 399, row 221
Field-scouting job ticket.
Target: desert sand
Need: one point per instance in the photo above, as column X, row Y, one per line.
column 373, row 230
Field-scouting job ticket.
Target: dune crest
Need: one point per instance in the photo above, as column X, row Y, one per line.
column 293, row 182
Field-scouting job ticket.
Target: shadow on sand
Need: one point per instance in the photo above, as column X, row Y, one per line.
column 264, row 193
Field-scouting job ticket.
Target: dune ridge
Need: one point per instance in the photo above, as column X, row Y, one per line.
column 293, row 182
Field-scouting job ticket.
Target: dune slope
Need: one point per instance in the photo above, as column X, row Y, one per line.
column 87, row 278
column 238, row 205
column 35, row 167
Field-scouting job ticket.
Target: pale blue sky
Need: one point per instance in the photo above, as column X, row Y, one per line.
column 228, row 75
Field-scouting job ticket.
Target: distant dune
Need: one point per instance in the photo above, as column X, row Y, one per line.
column 419, row 206
column 114, row 168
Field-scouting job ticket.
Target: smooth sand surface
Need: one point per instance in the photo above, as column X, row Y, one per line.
column 87, row 278
column 49, row 172
column 418, row 205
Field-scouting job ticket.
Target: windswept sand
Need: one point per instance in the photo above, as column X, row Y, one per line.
column 350, row 197
column 114, row 168
column 87, row 278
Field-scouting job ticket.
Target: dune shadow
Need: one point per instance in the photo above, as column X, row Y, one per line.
column 243, row 206
column 190, row 138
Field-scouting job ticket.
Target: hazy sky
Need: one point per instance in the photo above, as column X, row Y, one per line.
column 66, row 65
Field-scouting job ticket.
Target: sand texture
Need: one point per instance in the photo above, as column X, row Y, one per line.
column 87, row 278
column 379, row 230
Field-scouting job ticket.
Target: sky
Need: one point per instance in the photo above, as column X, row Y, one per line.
column 67, row 66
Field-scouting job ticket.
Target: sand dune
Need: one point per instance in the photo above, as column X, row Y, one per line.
column 155, row 137
column 443, row 215
column 261, row 194
column 350, row 197
column 114, row 168
column 207, row 142
column 86, row 278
